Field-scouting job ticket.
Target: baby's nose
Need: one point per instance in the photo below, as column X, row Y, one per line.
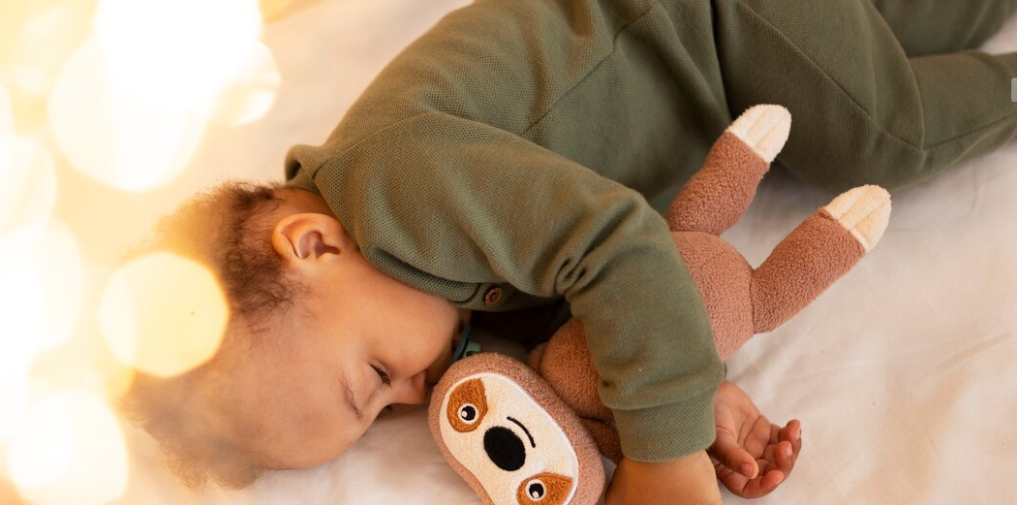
column 414, row 390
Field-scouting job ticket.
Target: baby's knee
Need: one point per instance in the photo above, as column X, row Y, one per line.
column 837, row 165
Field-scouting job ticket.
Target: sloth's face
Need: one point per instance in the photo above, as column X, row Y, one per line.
column 508, row 441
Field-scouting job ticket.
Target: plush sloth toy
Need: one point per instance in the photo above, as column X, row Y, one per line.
column 527, row 435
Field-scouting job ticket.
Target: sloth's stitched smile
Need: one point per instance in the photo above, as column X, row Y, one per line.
column 532, row 443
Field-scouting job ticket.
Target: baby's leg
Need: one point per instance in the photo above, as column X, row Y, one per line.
column 865, row 112
column 936, row 26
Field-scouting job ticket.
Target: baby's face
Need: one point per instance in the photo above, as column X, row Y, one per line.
column 359, row 342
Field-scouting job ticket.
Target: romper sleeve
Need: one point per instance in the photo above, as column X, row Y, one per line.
column 468, row 202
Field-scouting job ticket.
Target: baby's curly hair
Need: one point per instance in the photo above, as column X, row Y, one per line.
column 226, row 229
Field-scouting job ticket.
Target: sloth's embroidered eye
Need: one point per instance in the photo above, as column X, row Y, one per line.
column 536, row 490
column 467, row 406
column 468, row 413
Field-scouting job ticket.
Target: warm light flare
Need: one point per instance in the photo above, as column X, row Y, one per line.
column 129, row 107
column 6, row 134
column 163, row 314
column 122, row 91
column 41, row 452
column 122, row 135
column 69, row 451
column 13, row 401
column 40, row 295
column 183, row 48
column 22, row 305
column 44, row 42
column 271, row 9
column 39, row 301
column 253, row 90
column 6, row 114
column 28, row 183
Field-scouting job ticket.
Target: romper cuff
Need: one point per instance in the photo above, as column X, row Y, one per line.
column 667, row 431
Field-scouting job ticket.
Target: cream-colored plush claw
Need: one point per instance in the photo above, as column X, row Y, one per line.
column 864, row 211
column 764, row 128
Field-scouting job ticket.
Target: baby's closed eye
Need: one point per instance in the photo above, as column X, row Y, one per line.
column 384, row 376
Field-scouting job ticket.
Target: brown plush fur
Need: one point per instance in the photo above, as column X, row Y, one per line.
column 740, row 301
column 590, row 477
column 717, row 195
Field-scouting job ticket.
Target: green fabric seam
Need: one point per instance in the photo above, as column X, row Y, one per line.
column 550, row 108
column 614, row 48
column 357, row 144
column 831, row 79
column 973, row 132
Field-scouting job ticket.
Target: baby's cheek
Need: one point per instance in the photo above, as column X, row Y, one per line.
column 310, row 439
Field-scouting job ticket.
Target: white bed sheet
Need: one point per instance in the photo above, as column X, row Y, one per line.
column 902, row 373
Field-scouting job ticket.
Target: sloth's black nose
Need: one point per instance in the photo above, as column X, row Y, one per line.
column 504, row 448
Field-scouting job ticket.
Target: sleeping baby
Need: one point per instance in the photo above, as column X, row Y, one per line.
column 510, row 169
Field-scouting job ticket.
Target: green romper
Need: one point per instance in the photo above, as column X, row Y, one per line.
column 521, row 153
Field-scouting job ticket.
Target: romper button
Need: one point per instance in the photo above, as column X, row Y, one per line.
column 493, row 296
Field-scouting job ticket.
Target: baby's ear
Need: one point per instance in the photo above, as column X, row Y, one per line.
column 510, row 437
column 309, row 236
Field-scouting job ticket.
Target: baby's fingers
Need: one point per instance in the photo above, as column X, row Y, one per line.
column 731, row 455
column 768, row 483
column 752, row 488
column 790, row 445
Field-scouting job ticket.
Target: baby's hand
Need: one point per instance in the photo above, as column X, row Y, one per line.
column 687, row 480
column 751, row 456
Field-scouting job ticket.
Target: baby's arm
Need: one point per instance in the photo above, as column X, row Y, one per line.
column 751, row 457
column 451, row 173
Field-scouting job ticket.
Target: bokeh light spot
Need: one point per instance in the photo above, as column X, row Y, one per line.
column 142, row 39
column 6, row 134
column 253, row 90
column 69, row 450
column 121, row 135
column 42, row 450
column 28, row 183
column 270, row 9
column 44, row 42
column 40, row 295
column 6, row 114
column 22, row 304
column 14, row 400
column 163, row 314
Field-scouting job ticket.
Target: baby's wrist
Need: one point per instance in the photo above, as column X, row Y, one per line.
column 679, row 464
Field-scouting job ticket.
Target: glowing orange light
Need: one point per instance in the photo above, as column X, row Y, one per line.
column 6, row 134
column 22, row 305
column 271, row 9
column 6, row 114
column 163, row 314
column 44, row 42
column 41, row 292
column 14, row 399
column 124, row 136
column 28, row 183
column 186, row 49
column 252, row 92
column 69, row 450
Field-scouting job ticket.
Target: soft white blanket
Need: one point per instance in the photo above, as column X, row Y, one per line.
column 902, row 373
